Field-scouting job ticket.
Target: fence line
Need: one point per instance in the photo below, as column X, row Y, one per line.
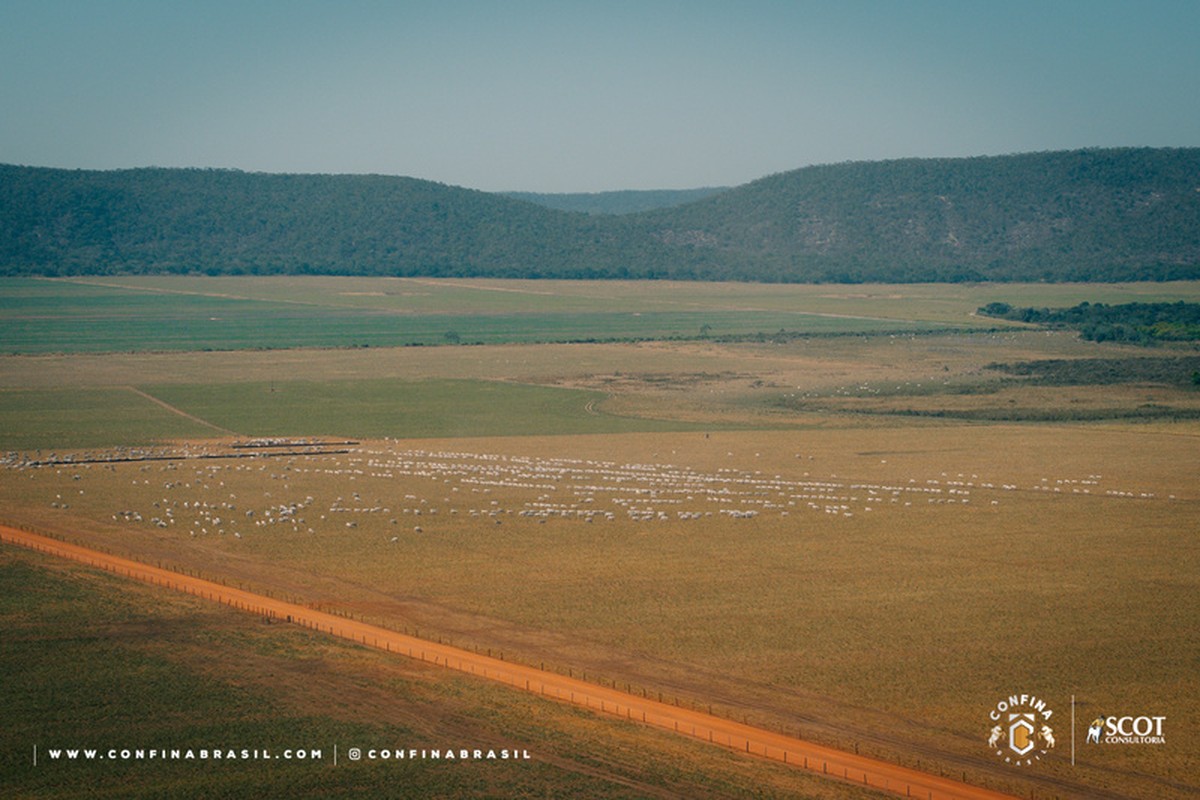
column 609, row 701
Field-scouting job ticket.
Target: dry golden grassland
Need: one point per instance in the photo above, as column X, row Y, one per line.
column 93, row 661
column 878, row 588
column 787, row 542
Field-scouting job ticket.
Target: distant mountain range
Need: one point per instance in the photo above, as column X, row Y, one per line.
column 1088, row 215
column 629, row 201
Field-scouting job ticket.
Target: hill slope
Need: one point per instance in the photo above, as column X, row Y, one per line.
column 223, row 221
column 1082, row 215
column 1101, row 215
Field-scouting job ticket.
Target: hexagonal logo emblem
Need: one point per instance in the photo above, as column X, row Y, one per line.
column 1020, row 732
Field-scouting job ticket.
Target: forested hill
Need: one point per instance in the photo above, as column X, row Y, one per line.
column 223, row 221
column 1100, row 215
column 1091, row 215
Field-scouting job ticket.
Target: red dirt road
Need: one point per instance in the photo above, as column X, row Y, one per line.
column 727, row 733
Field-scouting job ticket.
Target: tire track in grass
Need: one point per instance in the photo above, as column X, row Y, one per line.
column 180, row 411
column 819, row 759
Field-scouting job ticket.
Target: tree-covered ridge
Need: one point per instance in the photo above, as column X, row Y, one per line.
column 1090, row 215
column 1142, row 323
column 229, row 222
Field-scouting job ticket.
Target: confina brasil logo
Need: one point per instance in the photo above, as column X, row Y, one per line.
column 1020, row 731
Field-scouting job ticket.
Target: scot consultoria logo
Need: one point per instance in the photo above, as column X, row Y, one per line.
column 1020, row 732
column 1118, row 729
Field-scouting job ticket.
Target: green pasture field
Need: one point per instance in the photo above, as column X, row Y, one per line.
column 182, row 313
column 32, row 419
column 43, row 316
column 952, row 303
column 38, row 419
column 401, row 409
column 97, row 400
column 96, row 662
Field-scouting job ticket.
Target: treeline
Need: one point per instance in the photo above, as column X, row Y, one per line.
column 1180, row 371
column 1139, row 323
column 1089, row 215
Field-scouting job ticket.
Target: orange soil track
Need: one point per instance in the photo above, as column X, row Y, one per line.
column 837, row 764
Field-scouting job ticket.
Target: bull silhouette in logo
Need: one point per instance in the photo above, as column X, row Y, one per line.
column 1047, row 736
column 994, row 739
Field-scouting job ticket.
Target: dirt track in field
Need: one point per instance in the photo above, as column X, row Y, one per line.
column 179, row 411
column 727, row 733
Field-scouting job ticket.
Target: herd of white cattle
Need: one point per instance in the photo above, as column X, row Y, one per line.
column 416, row 490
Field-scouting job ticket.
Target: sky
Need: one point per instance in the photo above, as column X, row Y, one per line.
column 586, row 96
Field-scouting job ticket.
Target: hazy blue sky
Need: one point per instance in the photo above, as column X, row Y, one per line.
column 586, row 96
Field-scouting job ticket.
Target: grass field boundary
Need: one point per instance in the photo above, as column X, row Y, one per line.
column 834, row 764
